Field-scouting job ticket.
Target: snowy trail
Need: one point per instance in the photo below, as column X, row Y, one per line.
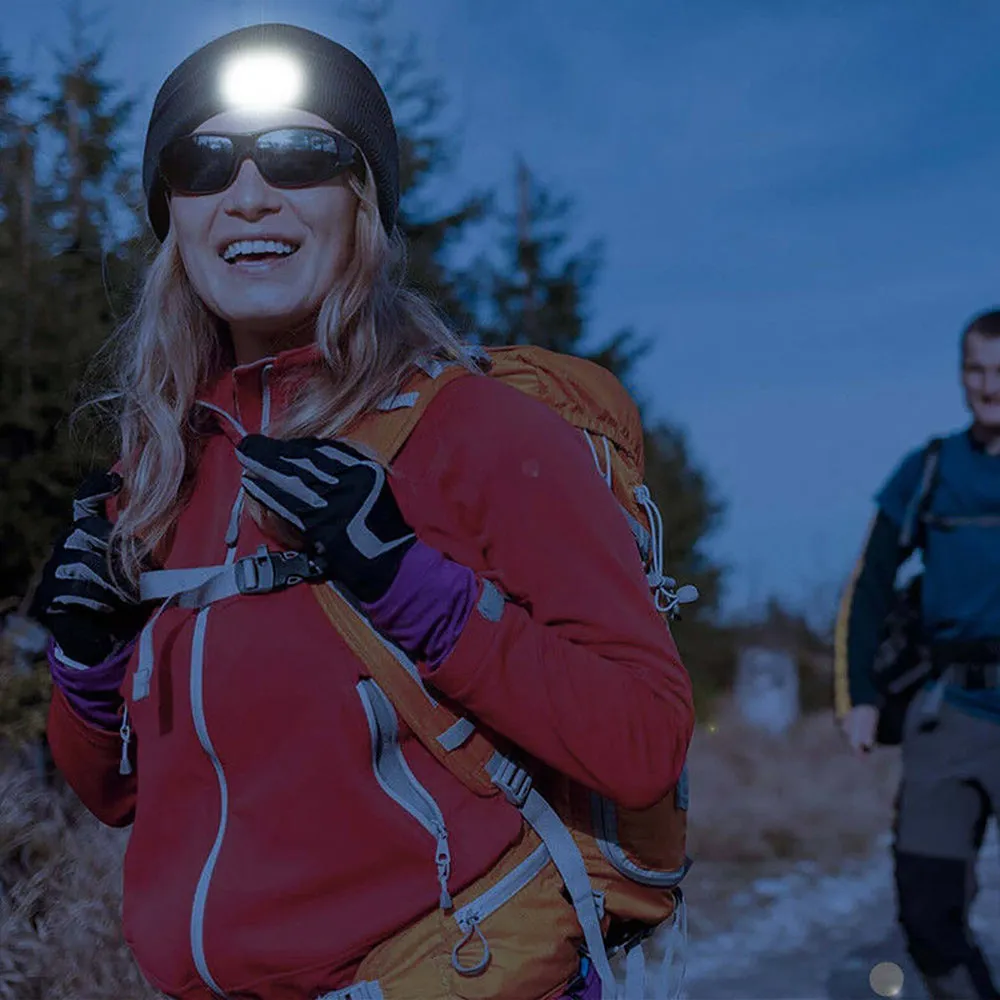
column 817, row 938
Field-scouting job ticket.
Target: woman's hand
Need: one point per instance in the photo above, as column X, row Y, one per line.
column 340, row 501
column 90, row 614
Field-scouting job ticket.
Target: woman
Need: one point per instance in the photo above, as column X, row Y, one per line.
column 273, row 853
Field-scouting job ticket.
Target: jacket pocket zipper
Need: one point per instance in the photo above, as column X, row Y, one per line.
column 399, row 782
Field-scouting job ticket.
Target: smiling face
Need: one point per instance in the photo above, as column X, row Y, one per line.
column 260, row 289
column 981, row 381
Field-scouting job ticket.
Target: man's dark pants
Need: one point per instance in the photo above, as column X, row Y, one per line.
column 950, row 786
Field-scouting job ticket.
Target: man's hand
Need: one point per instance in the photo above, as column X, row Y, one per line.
column 859, row 727
column 340, row 501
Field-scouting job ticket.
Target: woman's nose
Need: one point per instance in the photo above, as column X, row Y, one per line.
column 250, row 196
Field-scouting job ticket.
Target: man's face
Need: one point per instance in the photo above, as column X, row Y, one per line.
column 981, row 380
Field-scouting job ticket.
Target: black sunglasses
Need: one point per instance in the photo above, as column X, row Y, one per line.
column 291, row 157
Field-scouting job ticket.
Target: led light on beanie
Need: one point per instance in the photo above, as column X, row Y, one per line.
column 274, row 66
column 261, row 80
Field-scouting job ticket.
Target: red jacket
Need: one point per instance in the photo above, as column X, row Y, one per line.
column 278, row 866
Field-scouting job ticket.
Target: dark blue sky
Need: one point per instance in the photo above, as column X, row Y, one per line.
column 799, row 203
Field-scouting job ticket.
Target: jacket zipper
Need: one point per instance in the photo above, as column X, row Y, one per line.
column 201, row 728
column 399, row 782
column 197, row 695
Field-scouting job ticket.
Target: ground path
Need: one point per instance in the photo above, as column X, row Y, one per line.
column 805, row 936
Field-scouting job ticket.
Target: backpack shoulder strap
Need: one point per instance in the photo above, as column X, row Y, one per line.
column 463, row 748
column 383, row 431
column 922, row 498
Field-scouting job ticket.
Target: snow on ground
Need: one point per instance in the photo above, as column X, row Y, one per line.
column 810, row 935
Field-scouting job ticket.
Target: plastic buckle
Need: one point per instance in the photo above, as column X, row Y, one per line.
column 514, row 781
column 291, row 568
column 265, row 571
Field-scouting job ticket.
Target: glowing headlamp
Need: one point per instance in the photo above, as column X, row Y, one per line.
column 261, row 80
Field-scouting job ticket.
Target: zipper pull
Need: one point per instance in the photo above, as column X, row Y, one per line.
column 443, row 859
column 125, row 768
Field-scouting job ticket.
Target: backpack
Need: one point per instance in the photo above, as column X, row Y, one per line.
column 584, row 874
column 902, row 664
column 621, row 869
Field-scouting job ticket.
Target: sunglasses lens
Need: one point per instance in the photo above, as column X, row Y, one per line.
column 198, row 164
column 296, row 157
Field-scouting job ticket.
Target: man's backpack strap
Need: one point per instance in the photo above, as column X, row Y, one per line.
column 909, row 535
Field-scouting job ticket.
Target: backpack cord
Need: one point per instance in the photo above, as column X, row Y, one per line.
column 661, row 585
column 667, row 596
column 606, row 471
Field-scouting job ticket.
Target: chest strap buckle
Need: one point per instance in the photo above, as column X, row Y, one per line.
column 265, row 571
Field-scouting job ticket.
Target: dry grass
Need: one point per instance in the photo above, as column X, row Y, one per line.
column 765, row 808
column 759, row 806
column 757, row 798
column 59, row 899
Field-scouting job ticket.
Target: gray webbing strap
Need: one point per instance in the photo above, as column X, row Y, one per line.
column 516, row 784
column 915, row 510
column 194, row 588
column 635, row 974
column 142, row 678
column 456, row 734
column 367, row 990
column 401, row 401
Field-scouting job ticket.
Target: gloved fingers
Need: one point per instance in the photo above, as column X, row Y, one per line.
column 343, row 454
column 274, row 499
column 275, row 475
column 87, row 576
column 311, row 474
column 89, row 534
column 270, row 450
column 68, row 602
column 324, row 461
column 88, row 501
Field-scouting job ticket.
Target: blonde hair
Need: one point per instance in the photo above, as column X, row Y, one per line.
column 370, row 330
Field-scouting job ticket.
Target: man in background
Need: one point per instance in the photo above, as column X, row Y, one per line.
column 951, row 731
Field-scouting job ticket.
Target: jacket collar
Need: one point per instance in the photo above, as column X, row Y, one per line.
column 240, row 390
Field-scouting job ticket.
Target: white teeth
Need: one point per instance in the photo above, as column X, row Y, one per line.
column 243, row 247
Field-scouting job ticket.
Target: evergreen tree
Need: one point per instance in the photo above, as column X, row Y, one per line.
column 61, row 219
column 426, row 153
column 537, row 292
column 20, row 258
column 15, row 135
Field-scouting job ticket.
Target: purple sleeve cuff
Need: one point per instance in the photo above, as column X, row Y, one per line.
column 427, row 606
column 91, row 691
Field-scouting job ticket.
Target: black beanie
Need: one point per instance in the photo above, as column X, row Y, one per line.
column 337, row 86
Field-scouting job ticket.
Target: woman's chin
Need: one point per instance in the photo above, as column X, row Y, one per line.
column 269, row 320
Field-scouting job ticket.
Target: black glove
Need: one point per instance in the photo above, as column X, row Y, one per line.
column 90, row 616
column 339, row 500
